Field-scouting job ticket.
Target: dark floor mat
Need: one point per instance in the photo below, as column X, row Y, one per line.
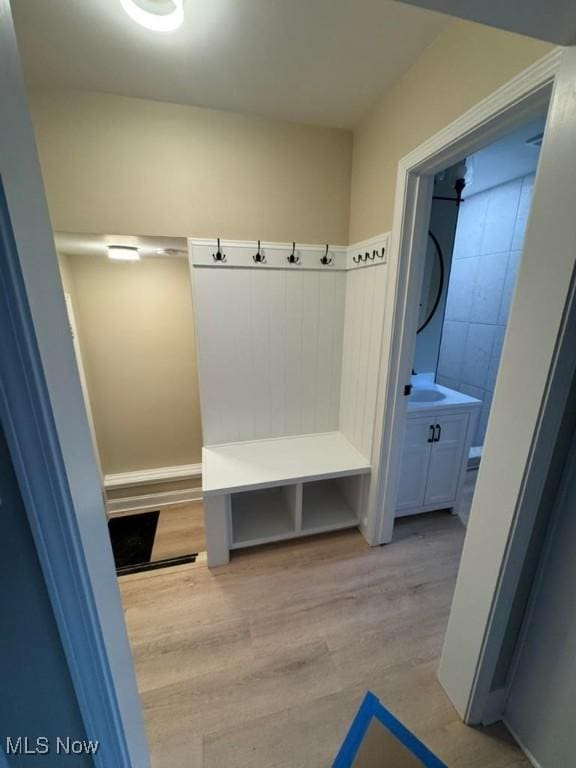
column 132, row 538
column 154, row 565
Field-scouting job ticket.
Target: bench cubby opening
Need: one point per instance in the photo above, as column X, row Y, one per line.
column 264, row 515
column 328, row 505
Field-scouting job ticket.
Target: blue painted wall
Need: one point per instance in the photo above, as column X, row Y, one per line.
column 36, row 693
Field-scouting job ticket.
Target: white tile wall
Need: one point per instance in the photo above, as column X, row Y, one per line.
column 501, row 215
column 487, row 250
column 487, row 288
column 470, row 229
column 452, row 349
column 461, row 288
column 508, row 288
column 523, row 211
column 477, row 354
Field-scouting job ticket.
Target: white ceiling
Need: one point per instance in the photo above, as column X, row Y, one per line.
column 314, row 61
column 71, row 244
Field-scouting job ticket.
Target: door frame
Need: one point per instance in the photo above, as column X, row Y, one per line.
column 483, row 599
column 44, row 419
column 83, row 379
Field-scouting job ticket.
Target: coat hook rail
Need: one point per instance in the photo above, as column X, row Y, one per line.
column 363, row 258
column 219, row 256
column 293, row 259
column 258, row 257
column 325, row 260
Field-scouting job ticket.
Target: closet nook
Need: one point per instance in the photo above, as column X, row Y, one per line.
column 288, row 344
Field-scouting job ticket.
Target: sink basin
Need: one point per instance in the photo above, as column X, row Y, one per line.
column 427, row 396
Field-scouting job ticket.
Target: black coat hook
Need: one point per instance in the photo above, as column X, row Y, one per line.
column 325, row 260
column 382, row 253
column 358, row 259
column 219, row 256
column 293, row 259
column 259, row 258
column 368, row 257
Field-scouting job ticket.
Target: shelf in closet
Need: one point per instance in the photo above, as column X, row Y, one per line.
column 248, row 466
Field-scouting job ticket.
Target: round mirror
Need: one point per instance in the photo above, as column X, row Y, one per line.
column 432, row 284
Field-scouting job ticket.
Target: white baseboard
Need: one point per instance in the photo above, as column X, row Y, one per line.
column 159, row 475
column 145, row 502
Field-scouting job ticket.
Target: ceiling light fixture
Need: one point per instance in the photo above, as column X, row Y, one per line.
column 123, row 253
column 157, row 15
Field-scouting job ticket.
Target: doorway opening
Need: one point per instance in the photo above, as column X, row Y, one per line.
column 476, row 232
column 527, row 396
column 133, row 333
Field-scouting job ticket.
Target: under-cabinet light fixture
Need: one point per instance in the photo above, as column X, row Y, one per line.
column 123, row 253
column 157, row 15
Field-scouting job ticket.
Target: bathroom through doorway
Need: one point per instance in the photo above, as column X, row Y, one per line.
column 476, row 233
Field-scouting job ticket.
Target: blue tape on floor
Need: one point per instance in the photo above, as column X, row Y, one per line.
column 371, row 707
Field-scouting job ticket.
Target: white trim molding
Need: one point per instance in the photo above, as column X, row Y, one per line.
column 251, row 245
column 512, row 93
column 239, row 255
column 366, row 253
column 147, row 476
column 129, row 505
column 372, row 252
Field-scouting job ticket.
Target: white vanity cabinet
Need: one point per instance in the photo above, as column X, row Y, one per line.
column 435, row 457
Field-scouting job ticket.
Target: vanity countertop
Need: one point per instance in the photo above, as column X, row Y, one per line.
column 427, row 395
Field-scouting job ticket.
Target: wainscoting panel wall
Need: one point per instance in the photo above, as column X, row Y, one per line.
column 288, row 345
column 364, row 317
column 269, row 350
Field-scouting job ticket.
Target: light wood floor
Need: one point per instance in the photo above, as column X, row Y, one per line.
column 263, row 663
column 180, row 531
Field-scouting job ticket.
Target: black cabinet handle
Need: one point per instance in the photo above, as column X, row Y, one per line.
column 437, row 440
column 431, row 438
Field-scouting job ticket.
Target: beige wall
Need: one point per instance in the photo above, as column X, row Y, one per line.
column 462, row 66
column 137, row 337
column 127, row 166
column 115, row 165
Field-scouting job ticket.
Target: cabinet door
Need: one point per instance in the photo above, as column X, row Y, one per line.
column 446, row 459
column 415, row 460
